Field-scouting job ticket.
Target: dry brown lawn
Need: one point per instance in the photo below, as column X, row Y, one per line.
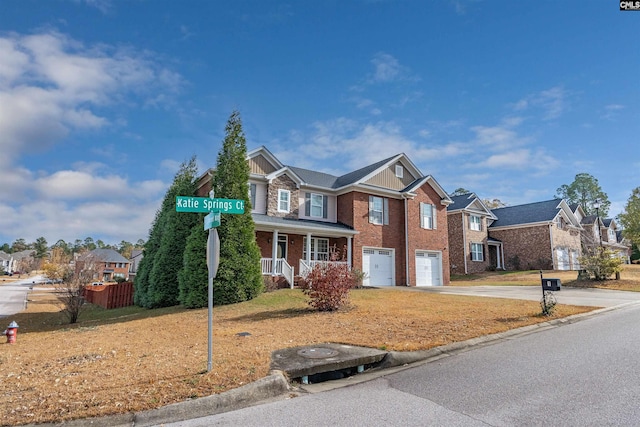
column 123, row 360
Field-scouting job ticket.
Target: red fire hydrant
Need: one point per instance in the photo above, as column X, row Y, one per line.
column 11, row 332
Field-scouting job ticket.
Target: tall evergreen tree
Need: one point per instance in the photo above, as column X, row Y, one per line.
column 193, row 279
column 585, row 190
column 163, row 277
column 239, row 275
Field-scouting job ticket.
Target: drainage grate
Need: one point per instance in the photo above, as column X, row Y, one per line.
column 318, row 352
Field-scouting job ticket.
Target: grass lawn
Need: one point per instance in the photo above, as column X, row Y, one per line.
column 131, row 359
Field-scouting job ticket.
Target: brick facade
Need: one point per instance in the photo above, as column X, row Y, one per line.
column 526, row 248
column 460, row 250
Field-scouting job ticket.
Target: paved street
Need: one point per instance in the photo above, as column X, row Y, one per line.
column 581, row 374
column 13, row 295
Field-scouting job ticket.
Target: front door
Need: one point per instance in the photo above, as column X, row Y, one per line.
column 282, row 246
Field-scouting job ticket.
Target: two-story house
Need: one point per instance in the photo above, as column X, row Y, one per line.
column 104, row 264
column 471, row 250
column 386, row 219
column 542, row 235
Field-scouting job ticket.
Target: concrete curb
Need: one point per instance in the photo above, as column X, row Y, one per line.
column 273, row 386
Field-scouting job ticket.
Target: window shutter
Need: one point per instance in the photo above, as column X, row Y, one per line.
column 385, row 211
column 433, row 215
column 325, row 206
column 371, row 209
column 422, row 224
column 307, row 204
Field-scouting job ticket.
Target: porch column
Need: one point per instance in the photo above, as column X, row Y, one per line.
column 274, row 252
column 308, row 249
column 349, row 251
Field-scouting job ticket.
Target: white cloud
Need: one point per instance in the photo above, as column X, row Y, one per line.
column 553, row 102
column 50, row 87
column 611, row 111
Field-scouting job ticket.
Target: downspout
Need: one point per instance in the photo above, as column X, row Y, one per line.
column 464, row 243
column 406, row 240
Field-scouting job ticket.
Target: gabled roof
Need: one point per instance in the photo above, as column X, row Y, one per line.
column 433, row 183
column 469, row 202
column 318, row 179
column 608, row 221
column 361, row 174
column 262, row 150
column 531, row 213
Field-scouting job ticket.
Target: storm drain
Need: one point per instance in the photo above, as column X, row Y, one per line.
column 325, row 362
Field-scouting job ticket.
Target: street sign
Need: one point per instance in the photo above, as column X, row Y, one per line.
column 206, row 204
column 212, row 220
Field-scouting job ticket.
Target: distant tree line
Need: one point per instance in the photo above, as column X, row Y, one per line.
column 41, row 248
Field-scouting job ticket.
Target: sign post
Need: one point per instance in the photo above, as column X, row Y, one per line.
column 215, row 207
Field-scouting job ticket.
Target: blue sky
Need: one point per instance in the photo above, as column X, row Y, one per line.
column 101, row 100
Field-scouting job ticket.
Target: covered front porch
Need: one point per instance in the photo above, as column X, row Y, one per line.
column 291, row 248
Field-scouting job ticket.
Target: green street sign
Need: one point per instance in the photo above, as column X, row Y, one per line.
column 205, row 204
column 212, row 220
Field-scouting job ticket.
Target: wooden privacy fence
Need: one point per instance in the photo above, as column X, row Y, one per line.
column 110, row 296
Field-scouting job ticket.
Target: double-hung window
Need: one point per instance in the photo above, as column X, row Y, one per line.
column 612, row 236
column 316, row 205
column 475, row 223
column 378, row 210
column 477, row 252
column 284, row 200
column 427, row 216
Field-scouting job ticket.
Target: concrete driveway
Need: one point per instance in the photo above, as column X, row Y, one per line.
column 572, row 296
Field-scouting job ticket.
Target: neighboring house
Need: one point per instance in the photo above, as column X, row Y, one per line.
column 386, row 219
column 471, row 250
column 107, row 264
column 24, row 261
column 134, row 262
column 543, row 235
column 7, row 262
column 611, row 239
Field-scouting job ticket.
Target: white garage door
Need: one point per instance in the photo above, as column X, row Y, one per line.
column 428, row 269
column 377, row 264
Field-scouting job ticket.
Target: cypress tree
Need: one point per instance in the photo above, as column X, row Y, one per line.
column 239, row 275
column 163, row 277
column 141, row 282
column 193, row 279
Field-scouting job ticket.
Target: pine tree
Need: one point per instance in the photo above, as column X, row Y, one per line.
column 193, row 279
column 163, row 277
column 239, row 275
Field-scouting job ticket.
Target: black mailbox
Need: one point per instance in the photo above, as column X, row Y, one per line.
column 551, row 284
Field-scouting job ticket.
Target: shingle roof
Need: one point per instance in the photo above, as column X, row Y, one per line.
column 319, row 179
column 607, row 221
column 526, row 214
column 589, row 219
column 356, row 175
column 295, row 222
column 461, row 201
column 108, row 255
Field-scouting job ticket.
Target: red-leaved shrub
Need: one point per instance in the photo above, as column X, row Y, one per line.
column 328, row 285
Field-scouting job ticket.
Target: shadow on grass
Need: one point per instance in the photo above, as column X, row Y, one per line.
column 287, row 313
column 90, row 317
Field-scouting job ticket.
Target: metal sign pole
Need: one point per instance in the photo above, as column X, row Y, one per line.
column 213, row 260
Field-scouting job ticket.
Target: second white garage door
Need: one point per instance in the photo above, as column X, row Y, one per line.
column 428, row 269
column 377, row 264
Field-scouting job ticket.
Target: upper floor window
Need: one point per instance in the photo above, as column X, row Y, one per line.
column 612, row 236
column 284, row 200
column 428, row 216
column 252, row 195
column 477, row 252
column 316, row 205
column 399, row 171
column 378, row 210
column 560, row 222
column 475, row 223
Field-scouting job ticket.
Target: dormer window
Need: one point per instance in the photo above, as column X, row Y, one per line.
column 399, row 171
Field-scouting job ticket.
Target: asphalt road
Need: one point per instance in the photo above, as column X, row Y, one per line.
column 13, row 295
column 580, row 374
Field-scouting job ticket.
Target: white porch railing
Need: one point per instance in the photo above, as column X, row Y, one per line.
column 282, row 269
column 306, row 267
